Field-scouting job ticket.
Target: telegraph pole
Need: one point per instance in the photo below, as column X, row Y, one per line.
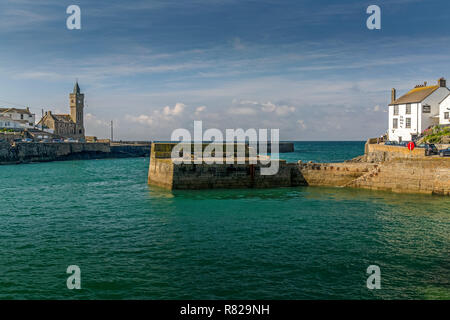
column 112, row 131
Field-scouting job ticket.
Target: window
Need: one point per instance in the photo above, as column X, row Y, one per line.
column 396, row 110
column 426, row 109
column 446, row 115
column 408, row 108
column 408, row 123
column 395, row 123
column 21, row 116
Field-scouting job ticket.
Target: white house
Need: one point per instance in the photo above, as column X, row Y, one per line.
column 8, row 123
column 415, row 111
column 22, row 116
column 444, row 111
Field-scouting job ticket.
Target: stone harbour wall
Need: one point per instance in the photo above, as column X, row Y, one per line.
column 160, row 173
column 430, row 176
column 164, row 173
column 333, row 174
column 25, row 152
column 226, row 176
column 131, row 150
column 381, row 153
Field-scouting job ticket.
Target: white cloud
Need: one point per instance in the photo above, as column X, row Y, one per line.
column 160, row 117
column 175, row 111
column 242, row 111
column 199, row 110
column 142, row 119
column 252, row 107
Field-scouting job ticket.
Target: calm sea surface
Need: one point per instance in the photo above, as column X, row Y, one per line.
column 133, row 241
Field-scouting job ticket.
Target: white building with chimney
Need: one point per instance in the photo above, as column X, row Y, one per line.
column 416, row 110
column 23, row 117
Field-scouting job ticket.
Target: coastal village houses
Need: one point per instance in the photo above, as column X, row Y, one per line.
column 15, row 118
column 67, row 125
column 417, row 110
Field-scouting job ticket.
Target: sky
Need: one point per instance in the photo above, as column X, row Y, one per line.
column 310, row 68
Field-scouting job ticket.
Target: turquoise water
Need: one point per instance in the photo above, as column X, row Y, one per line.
column 133, row 241
column 324, row 151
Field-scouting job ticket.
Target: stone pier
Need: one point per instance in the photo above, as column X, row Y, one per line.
column 400, row 172
column 167, row 173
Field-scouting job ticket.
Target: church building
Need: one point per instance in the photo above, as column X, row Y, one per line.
column 67, row 125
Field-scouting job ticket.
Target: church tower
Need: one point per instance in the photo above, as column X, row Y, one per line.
column 76, row 110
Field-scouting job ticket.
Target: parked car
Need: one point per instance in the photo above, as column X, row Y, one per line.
column 27, row 140
column 391, row 143
column 70, row 140
column 429, row 148
column 57, row 140
column 404, row 143
column 444, row 152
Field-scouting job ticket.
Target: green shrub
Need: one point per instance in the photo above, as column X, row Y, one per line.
column 436, row 134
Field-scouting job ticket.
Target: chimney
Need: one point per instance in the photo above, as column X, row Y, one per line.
column 393, row 95
column 442, row 83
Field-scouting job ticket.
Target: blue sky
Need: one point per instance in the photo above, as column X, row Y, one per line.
column 310, row 68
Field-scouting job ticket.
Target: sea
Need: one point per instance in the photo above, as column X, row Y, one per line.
column 133, row 241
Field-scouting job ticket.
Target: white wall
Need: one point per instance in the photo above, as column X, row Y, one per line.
column 433, row 100
column 444, row 107
column 402, row 131
column 30, row 118
column 9, row 123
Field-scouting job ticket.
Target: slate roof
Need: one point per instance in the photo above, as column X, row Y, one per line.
column 62, row 117
column 20, row 111
column 418, row 94
column 58, row 118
